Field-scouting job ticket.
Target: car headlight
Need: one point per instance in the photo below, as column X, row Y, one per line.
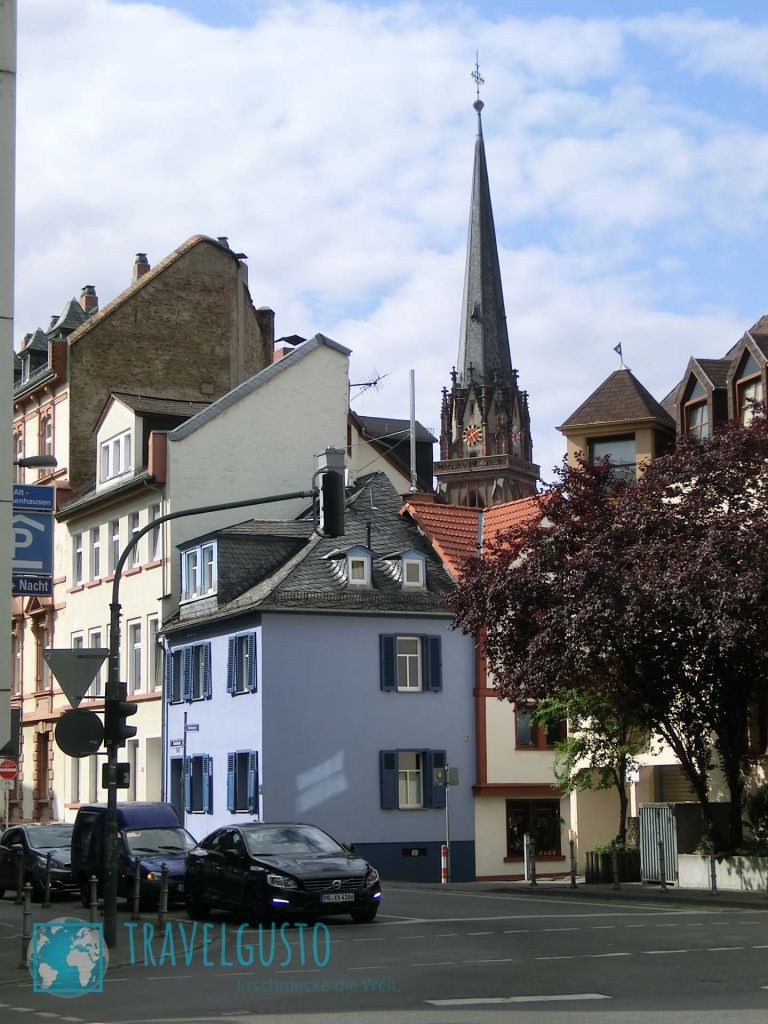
column 281, row 882
column 372, row 876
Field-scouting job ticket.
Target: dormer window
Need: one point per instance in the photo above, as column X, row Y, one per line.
column 749, row 389
column 696, row 411
column 359, row 570
column 413, row 572
column 116, row 456
column 198, row 571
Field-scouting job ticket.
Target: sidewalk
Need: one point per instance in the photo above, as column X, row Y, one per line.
column 629, row 891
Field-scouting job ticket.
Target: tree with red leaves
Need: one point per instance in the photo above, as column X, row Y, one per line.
column 650, row 598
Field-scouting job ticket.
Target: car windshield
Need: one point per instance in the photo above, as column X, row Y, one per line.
column 158, row 840
column 290, row 841
column 50, row 837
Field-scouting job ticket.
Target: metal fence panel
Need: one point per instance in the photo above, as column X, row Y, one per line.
column 657, row 821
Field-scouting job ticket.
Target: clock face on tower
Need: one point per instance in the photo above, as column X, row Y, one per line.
column 472, row 435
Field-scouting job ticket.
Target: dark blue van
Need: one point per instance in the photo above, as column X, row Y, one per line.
column 148, row 832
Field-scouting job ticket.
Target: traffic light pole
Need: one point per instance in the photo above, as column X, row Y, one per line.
column 113, row 689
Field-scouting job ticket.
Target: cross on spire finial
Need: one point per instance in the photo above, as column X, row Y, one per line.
column 478, row 78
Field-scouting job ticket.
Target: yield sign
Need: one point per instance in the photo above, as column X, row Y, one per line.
column 75, row 669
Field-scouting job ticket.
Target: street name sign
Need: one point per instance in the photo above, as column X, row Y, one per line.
column 36, row 499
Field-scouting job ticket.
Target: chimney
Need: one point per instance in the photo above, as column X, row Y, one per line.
column 140, row 265
column 223, row 240
column 89, row 300
column 54, row 319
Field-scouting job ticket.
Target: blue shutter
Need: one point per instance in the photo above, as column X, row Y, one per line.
column 252, row 673
column 388, row 779
column 207, row 675
column 434, row 796
column 207, row 786
column 253, row 782
column 187, row 783
column 433, row 663
column 186, row 674
column 231, row 781
column 388, row 662
column 231, row 665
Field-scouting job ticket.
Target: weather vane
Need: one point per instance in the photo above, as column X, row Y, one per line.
column 478, row 78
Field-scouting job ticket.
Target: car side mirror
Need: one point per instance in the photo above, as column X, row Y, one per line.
column 233, row 854
column 18, row 849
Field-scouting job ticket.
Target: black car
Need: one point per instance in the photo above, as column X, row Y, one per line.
column 265, row 870
column 33, row 843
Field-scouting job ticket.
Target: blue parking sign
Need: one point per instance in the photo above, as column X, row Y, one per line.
column 32, row 543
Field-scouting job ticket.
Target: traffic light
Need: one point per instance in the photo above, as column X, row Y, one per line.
column 331, row 522
column 116, row 731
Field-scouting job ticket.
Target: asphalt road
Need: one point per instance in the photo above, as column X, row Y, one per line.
column 432, row 957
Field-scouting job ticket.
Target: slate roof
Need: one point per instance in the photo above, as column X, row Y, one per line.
column 620, row 398
column 71, row 317
column 382, row 428
column 291, row 571
column 715, row 370
column 37, row 343
column 148, row 404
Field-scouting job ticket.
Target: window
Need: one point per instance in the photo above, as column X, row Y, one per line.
column 154, row 653
column 134, row 657
column 525, row 730
column 198, row 571
column 198, row 784
column 77, row 559
column 621, row 452
column 42, row 766
column 359, row 573
column 413, row 572
column 18, row 453
column 411, row 663
column 155, row 537
column 243, row 781
column 241, row 664
column 529, row 735
column 407, row 779
column 114, row 545
column 96, row 688
column 95, row 553
column 15, row 664
column 116, row 456
column 540, row 819
column 189, row 673
column 696, row 410
column 43, row 671
column 749, row 389
column 134, row 527
column 46, row 435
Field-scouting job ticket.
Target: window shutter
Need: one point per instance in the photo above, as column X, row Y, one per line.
column 253, row 684
column 168, row 675
column 253, row 782
column 207, row 786
column 231, row 782
column 231, row 646
column 186, row 674
column 388, row 662
column 433, row 664
column 436, row 794
column 388, row 778
column 187, row 783
column 207, row 676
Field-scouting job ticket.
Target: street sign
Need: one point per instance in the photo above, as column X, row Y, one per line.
column 32, row 543
column 177, row 743
column 445, row 776
column 79, row 733
column 36, row 499
column 7, row 784
column 75, row 669
column 192, row 727
column 31, row 586
column 8, row 769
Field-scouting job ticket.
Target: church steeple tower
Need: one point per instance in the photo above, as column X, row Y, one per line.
column 485, row 440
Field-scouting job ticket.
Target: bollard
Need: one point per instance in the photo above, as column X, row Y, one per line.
column 443, row 864
column 662, row 867
column 713, row 872
column 163, row 904
column 19, row 877
column 26, row 923
column 94, row 883
column 47, row 887
column 136, row 900
column 572, row 845
column 615, row 866
column 532, row 855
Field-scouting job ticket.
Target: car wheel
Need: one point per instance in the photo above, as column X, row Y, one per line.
column 255, row 911
column 364, row 916
column 195, row 907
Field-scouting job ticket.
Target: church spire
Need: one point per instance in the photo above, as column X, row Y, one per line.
column 484, row 343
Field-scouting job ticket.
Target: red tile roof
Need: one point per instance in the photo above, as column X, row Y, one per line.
column 452, row 529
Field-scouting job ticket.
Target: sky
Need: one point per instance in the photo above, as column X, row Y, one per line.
column 332, row 142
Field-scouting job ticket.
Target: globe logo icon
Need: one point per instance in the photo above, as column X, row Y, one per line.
column 67, row 957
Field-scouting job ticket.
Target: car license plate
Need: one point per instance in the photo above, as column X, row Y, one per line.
column 337, row 897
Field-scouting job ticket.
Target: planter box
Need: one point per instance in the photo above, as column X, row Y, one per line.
column 740, row 874
column 599, row 868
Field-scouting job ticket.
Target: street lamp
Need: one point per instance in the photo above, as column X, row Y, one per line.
column 37, row 462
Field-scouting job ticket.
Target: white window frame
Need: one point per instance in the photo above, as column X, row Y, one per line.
column 358, row 561
column 156, row 535
column 114, row 545
column 408, row 661
column 16, row 664
column 96, row 688
column 154, row 661
column 95, row 554
column 410, row 780
column 77, row 559
column 198, row 571
column 134, row 656
column 134, row 525
column 418, row 563
column 115, row 456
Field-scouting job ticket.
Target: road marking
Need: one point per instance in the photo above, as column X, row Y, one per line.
column 575, row 996
column 412, row 938
column 382, row 939
column 559, row 929
column 496, row 960
column 760, row 947
column 479, row 933
column 662, row 952
column 601, row 927
column 167, row 977
column 571, row 957
column 435, row 963
column 518, row 931
column 446, row 935
column 721, row 949
column 598, row 956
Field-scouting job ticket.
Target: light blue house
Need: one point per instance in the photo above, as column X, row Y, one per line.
column 318, row 680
